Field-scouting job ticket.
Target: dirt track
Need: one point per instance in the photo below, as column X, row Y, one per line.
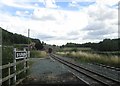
column 48, row 71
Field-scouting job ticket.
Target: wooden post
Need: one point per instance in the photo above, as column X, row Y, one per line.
column 15, row 66
column 9, row 74
column 24, row 62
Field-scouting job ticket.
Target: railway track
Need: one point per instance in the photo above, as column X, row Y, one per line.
column 99, row 78
column 109, row 67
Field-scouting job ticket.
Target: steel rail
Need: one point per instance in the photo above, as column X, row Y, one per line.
column 95, row 76
column 107, row 66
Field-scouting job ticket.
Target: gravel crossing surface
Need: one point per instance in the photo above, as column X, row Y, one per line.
column 49, row 71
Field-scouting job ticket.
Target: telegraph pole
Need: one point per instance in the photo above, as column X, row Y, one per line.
column 28, row 38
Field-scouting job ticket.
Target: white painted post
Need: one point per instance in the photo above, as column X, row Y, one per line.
column 9, row 74
column 24, row 62
column 28, row 54
column 15, row 66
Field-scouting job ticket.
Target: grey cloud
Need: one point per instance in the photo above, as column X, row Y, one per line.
column 102, row 14
column 95, row 26
column 98, row 34
column 44, row 18
column 93, row 34
column 97, row 30
column 45, row 36
column 73, row 33
column 106, row 15
column 91, row 37
column 67, row 38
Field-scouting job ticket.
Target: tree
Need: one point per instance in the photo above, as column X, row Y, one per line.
column 38, row 46
column 10, row 39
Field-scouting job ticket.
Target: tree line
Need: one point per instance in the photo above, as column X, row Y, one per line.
column 105, row 45
column 9, row 38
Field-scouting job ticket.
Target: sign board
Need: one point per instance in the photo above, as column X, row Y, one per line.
column 20, row 54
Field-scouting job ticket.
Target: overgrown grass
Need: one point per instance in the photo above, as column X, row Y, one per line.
column 75, row 49
column 7, row 54
column 93, row 58
column 38, row 54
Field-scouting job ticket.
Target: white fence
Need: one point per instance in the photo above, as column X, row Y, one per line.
column 14, row 64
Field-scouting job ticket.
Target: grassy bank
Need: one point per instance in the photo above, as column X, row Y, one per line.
column 38, row 54
column 93, row 58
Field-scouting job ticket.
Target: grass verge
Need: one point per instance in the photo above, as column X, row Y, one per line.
column 38, row 54
column 93, row 58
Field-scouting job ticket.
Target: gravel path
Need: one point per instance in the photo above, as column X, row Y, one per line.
column 48, row 71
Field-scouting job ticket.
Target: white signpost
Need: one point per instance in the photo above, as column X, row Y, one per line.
column 20, row 55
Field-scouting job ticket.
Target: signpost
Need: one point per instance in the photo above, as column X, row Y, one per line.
column 20, row 55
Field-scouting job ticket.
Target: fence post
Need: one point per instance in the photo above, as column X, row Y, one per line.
column 27, row 62
column 15, row 66
column 24, row 62
column 9, row 74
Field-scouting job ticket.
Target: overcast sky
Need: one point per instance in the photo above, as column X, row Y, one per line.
column 61, row 21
